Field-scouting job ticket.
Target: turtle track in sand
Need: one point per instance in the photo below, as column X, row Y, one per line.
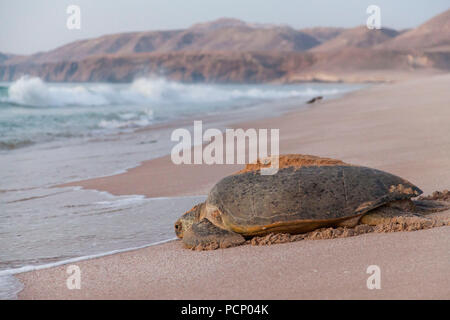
column 437, row 195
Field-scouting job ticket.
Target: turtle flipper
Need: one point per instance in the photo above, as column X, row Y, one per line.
column 431, row 206
column 402, row 211
column 204, row 235
column 381, row 217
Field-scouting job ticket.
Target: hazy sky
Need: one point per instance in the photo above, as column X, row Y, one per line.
column 29, row 26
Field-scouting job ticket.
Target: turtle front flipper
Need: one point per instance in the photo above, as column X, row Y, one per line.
column 204, row 235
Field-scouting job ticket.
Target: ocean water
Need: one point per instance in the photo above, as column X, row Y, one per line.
column 55, row 133
column 32, row 111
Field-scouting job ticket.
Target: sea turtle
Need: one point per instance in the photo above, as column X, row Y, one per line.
column 306, row 193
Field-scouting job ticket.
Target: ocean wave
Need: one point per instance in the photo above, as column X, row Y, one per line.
column 32, row 91
column 128, row 120
column 15, row 144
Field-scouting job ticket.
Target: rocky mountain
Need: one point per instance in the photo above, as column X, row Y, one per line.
column 359, row 37
column 219, row 24
column 432, row 35
column 5, row 56
column 323, row 34
column 238, row 67
column 220, row 35
column 230, row 50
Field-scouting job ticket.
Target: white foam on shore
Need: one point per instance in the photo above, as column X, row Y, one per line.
column 32, row 91
column 124, row 199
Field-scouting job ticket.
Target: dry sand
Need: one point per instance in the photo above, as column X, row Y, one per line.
column 402, row 128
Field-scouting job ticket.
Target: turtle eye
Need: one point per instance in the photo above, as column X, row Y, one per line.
column 179, row 229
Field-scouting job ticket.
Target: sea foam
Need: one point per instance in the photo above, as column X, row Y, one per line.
column 32, row 91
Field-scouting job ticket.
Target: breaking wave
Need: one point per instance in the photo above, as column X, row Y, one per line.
column 33, row 111
column 128, row 120
column 32, row 91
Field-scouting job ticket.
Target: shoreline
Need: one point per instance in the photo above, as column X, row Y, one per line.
column 327, row 129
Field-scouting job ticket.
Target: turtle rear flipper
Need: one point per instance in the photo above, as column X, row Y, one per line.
column 204, row 235
column 407, row 211
column 431, row 206
column 385, row 217
column 403, row 212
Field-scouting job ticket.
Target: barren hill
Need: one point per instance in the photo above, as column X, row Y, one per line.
column 359, row 37
column 6, row 56
column 238, row 67
column 231, row 50
column 323, row 34
column 220, row 35
column 433, row 34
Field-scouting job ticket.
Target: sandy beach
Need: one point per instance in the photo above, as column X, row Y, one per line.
column 402, row 128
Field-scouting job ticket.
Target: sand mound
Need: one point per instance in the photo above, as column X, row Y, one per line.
column 293, row 160
column 437, row 195
column 395, row 225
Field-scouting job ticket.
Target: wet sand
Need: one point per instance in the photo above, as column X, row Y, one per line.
column 402, row 128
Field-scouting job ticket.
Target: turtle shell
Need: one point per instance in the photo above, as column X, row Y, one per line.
column 300, row 199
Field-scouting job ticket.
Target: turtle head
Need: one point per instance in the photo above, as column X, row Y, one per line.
column 185, row 222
